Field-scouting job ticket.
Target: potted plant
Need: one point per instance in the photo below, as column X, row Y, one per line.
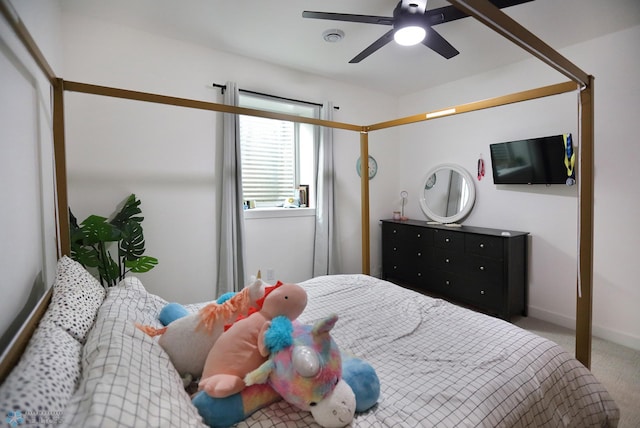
column 92, row 238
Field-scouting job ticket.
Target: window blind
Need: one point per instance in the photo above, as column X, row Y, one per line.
column 268, row 159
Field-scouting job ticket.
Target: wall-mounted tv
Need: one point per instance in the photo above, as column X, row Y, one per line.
column 543, row 160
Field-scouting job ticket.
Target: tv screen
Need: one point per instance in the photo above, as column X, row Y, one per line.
column 534, row 161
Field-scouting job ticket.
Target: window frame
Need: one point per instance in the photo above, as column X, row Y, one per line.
column 311, row 138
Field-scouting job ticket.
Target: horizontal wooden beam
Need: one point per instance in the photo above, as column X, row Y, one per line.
column 503, row 24
column 9, row 13
column 202, row 105
column 517, row 97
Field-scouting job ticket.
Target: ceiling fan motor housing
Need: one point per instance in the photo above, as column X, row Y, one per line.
column 409, row 16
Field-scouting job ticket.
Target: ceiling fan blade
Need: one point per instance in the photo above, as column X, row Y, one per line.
column 437, row 43
column 450, row 13
column 386, row 38
column 365, row 19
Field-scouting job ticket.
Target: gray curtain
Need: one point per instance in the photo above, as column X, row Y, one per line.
column 325, row 254
column 231, row 247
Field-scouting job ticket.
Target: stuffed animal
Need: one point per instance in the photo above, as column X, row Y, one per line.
column 225, row 412
column 307, row 373
column 304, row 369
column 241, row 348
column 363, row 380
column 188, row 337
column 228, row 411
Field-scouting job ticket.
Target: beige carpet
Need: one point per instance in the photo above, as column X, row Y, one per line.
column 616, row 366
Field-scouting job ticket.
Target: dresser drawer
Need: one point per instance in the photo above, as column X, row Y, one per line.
column 484, row 270
column 483, row 245
column 448, row 240
column 488, row 296
column 447, row 284
column 449, row 260
column 407, row 236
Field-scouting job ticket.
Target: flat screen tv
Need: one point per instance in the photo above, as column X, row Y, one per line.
column 534, row 161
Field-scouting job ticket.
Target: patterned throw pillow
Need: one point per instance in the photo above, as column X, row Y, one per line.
column 38, row 388
column 77, row 295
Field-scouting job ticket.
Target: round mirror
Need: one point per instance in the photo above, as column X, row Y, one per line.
column 448, row 193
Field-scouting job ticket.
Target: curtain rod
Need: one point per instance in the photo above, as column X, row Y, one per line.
column 223, row 87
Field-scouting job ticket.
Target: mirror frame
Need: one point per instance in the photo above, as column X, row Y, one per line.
column 467, row 208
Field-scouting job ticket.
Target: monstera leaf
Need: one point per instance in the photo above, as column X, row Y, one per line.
column 96, row 229
column 109, row 271
column 141, row 265
column 86, row 256
column 132, row 243
column 130, row 208
column 91, row 238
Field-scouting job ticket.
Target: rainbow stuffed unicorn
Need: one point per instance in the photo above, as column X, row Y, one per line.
column 305, row 367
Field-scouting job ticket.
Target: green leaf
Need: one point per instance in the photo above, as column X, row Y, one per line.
column 130, row 208
column 76, row 236
column 86, row 256
column 109, row 271
column 132, row 244
column 141, row 265
column 96, row 229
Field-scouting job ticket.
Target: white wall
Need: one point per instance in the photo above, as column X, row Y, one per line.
column 166, row 155
column 549, row 213
column 28, row 233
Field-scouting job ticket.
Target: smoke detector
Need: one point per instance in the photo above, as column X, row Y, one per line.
column 333, row 36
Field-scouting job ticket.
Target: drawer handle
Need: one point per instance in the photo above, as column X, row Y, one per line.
column 419, row 274
column 419, row 254
column 482, row 292
column 481, row 267
column 447, row 282
column 446, row 260
column 395, row 248
column 481, row 245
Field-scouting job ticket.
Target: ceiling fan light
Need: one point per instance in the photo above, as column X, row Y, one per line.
column 409, row 35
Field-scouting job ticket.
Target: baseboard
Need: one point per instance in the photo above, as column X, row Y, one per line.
column 605, row 333
column 552, row 317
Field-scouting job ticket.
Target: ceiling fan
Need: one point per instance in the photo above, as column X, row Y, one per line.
column 410, row 17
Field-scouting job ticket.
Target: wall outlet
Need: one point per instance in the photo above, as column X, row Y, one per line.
column 270, row 274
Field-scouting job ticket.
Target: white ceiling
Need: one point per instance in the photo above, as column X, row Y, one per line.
column 274, row 31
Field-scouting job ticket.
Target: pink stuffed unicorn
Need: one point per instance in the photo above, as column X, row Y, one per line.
column 241, row 348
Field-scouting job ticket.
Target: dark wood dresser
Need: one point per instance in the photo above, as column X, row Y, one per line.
column 475, row 266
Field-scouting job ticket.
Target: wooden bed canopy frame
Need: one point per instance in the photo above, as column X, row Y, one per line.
column 483, row 11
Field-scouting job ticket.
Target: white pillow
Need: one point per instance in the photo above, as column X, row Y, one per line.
column 128, row 380
column 44, row 379
column 77, row 295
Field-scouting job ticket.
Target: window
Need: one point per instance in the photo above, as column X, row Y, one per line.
column 277, row 155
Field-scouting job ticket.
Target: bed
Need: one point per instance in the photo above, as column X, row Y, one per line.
column 439, row 364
